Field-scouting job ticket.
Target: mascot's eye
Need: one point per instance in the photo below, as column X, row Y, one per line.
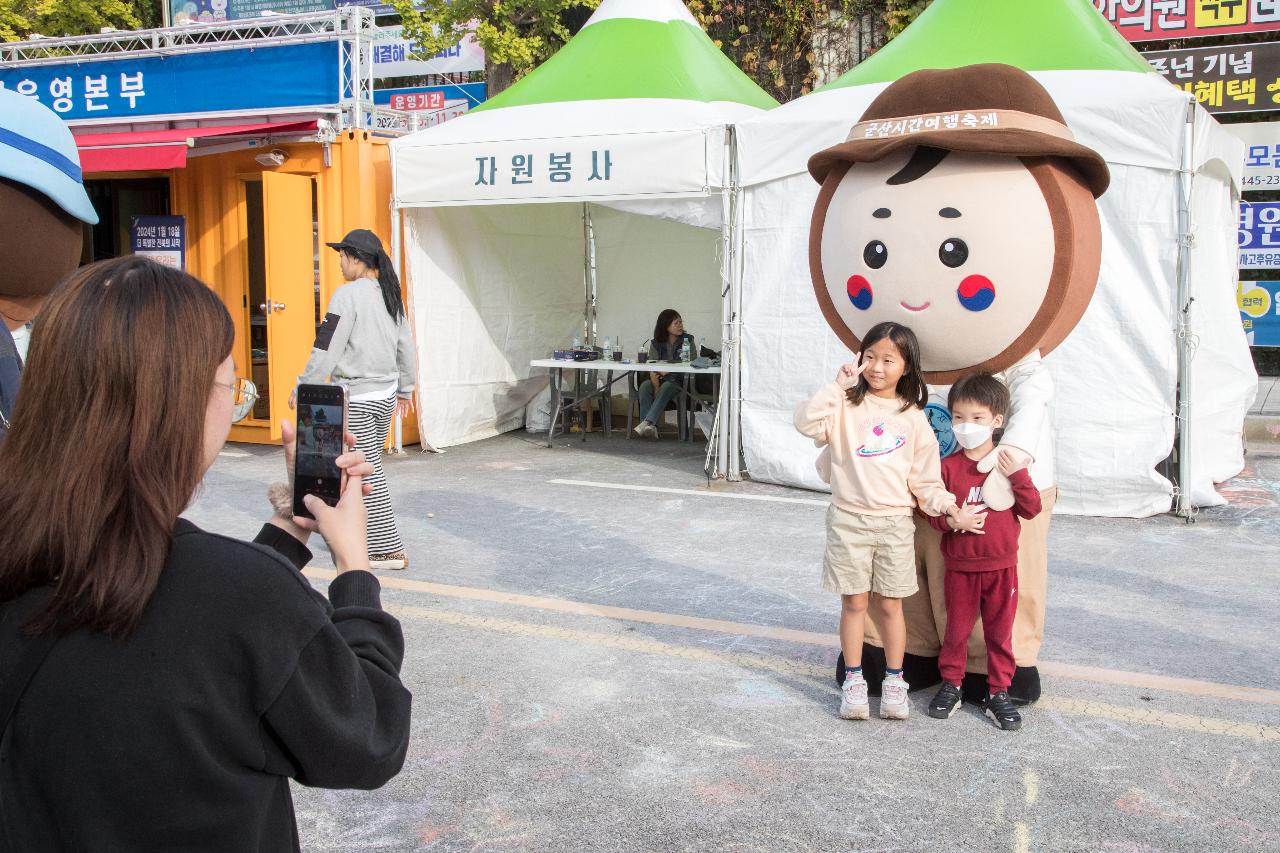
column 875, row 254
column 859, row 290
column 953, row 252
column 976, row 293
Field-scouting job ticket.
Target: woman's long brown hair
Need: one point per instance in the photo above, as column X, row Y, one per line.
column 106, row 447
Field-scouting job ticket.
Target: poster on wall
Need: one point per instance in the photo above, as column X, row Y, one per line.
column 216, row 11
column 1262, row 154
column 1238, row 78
column 1260, row 312
column 393, row 56
column 161, row 238
column 1153, row 20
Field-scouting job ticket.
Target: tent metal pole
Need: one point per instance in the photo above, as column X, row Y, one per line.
column 397, row 428
column 589, row 276
column 724, row 420
column 1186, row 240
column 735, row 327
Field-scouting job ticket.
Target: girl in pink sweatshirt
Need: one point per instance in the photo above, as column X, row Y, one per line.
column 883, row 461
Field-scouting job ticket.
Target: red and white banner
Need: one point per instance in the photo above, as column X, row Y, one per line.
column 1152, row 20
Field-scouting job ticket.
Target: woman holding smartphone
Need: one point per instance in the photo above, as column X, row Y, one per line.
column 160, row 685
column 365, row 345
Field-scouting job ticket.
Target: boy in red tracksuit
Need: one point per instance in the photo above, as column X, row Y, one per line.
column 981, row 558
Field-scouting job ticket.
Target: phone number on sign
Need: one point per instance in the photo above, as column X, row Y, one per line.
column 1262, row 181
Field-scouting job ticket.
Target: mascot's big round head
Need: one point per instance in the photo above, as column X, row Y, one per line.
column 42, row 199
column 960, row 206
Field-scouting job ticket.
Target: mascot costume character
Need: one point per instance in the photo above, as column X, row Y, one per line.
column 43, row 206
column 962, row 206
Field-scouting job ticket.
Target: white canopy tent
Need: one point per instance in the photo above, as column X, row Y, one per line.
column 1166, row 290
column 586, row 198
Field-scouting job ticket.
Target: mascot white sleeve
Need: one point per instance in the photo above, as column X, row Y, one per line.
column 961, row 206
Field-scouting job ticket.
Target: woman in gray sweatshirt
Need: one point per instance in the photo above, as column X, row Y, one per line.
column 365, row 345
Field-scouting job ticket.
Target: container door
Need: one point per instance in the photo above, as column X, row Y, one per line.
column 290, row 300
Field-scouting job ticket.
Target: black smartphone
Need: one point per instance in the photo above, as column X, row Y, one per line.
column 322, row 423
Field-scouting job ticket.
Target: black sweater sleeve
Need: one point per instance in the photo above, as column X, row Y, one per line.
column 284, row 545
column 342, row 718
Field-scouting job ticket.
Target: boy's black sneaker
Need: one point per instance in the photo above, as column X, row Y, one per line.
column 945, row 701
column 1000, row 709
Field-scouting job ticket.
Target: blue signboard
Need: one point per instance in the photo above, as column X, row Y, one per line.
column 472, row 93
column 1259, row 235
column 298, row 75
column 1259, row 303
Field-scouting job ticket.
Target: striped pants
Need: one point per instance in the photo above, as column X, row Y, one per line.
column 370, row 422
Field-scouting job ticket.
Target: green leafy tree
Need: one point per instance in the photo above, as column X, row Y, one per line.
column 788, row 46
column 899, row 13
column 517, row 35
column 20, row 18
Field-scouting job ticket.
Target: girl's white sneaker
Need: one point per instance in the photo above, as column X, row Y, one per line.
column 853, row 698
column 894, row 704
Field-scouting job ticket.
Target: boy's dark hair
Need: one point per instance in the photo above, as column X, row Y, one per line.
column 983, row 389
column 911, row 386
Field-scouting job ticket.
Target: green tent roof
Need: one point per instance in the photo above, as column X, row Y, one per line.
column 1034, row 35
column 629, row 57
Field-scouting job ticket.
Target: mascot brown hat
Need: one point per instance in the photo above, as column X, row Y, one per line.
column 961, row 205
column 1011, row 114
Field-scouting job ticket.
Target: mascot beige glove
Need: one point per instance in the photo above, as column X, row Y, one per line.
column 997, row 491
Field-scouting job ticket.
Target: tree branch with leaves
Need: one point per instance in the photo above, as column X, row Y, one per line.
column 19, row 19
column 516, row 35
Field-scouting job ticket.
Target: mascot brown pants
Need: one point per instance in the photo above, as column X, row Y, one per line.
column 926, row 611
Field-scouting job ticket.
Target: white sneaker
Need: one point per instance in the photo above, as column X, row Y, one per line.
column 893, row 698
column 646, row 430
column 853, row 698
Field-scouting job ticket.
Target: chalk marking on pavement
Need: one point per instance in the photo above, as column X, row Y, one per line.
column 1072, row 672
column 581, row 608
column 1021, row 838
column 1167, row 683
column 702, row 493
column 785, row 666
column 1031, row 782
column 1164, row 719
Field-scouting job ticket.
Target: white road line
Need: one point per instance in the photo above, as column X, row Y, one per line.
column 702, row 493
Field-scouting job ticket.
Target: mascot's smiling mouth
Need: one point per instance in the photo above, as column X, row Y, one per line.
column 915, row 307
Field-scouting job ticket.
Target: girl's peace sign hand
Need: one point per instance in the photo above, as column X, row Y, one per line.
column 847, row 375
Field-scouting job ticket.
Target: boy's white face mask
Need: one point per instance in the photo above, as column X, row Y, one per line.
column 971, row 435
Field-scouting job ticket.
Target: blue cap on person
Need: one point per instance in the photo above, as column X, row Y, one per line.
column 37, row 150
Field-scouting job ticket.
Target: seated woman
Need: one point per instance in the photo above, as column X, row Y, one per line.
column 660, row 388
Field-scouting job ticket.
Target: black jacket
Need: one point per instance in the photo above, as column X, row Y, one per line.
column 238, row 678
column 10, row 373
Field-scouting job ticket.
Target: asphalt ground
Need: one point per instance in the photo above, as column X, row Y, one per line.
column 609, row 653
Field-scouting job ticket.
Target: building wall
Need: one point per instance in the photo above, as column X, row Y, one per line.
column 354, row 191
